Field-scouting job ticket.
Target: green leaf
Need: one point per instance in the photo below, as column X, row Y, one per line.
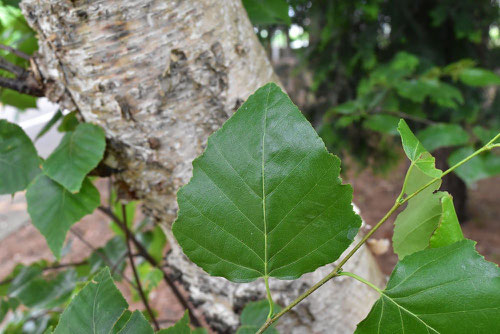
column 22, row 278
column 120, row 323
column 69, row 122
column 448, row 230
column 382, row 123
column 478, row 168
column 44, row 294
column 154, row 241
column 442, row 135
column 4, row 308
column 416, row 152
column 180, row 327
column 114, row 251
column 137, row 324
column 53, row 209
column 77, row 154
column 265, row 198
column 347, row 108
column 262, row 12
column 253, row 317
column 450, row 289
column 19, row 163
column 17, row 100
column 416, row 224
column 485, row 135
column 479, row 77
column 57, row 116
column 95, row 309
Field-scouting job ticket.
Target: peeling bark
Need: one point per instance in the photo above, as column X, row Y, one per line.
column 159, row 77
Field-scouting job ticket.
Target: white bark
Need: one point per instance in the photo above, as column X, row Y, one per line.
column 160, row 76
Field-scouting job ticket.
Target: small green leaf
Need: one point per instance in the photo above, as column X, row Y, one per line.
column 69, row 122
column 416, row 224
column 265, row 198
column 17, row 100
column 19, row 163
column 382, row 123
column 485, row 135
column 180, row 327
column 114, row 251
column 479, row 77
column 44, row 294
column 154, row 241
column 262, row 12
column 77, row 154
column 253, row 317
column 4, row 308
column 57, row 116
column 137, row 324
column 450, row 289
column 448, row 230
column 442, row 135
column 416, row 152
column 95, row 309
column 53, row 209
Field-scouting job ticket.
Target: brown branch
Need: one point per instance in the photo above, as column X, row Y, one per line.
column 145, row 254
column 134, row 270
column 16, row 52
column 12, row 68
column 21, row 86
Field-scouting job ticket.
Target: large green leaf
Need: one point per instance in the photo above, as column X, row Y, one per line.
column 53, row 209
column 416, row 152
column 254, row 315
column 265, row 198
column 77, row 154
column 137, row 324
column 442, row 135
column 265, row 12
column 19, row 162
column 443, row 290
column 95, row 309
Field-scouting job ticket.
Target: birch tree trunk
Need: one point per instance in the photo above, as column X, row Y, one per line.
column 160, row 76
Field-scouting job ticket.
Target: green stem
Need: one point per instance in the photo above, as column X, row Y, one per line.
column 362, row 280
column 337, row 270
column 269, row 298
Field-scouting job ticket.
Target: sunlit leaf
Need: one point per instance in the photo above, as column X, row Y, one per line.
column 479, row 77
column 265, row 198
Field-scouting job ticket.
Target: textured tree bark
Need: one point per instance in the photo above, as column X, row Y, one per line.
column 160, row 76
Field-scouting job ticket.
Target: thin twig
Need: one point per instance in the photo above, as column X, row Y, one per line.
column 145, row 254
column 108, row 262
column 22, row 86
column 12, row 68
column 134, row 270
column 16, row 52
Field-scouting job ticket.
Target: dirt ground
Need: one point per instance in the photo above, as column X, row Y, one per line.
column 373, row 194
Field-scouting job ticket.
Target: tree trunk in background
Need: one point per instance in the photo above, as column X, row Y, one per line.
column 160, row 76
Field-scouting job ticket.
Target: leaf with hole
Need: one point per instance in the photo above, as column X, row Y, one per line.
column 19, row 162
column 450, row 289
column 53, row 209
column 265, row 199
column 77, row 154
